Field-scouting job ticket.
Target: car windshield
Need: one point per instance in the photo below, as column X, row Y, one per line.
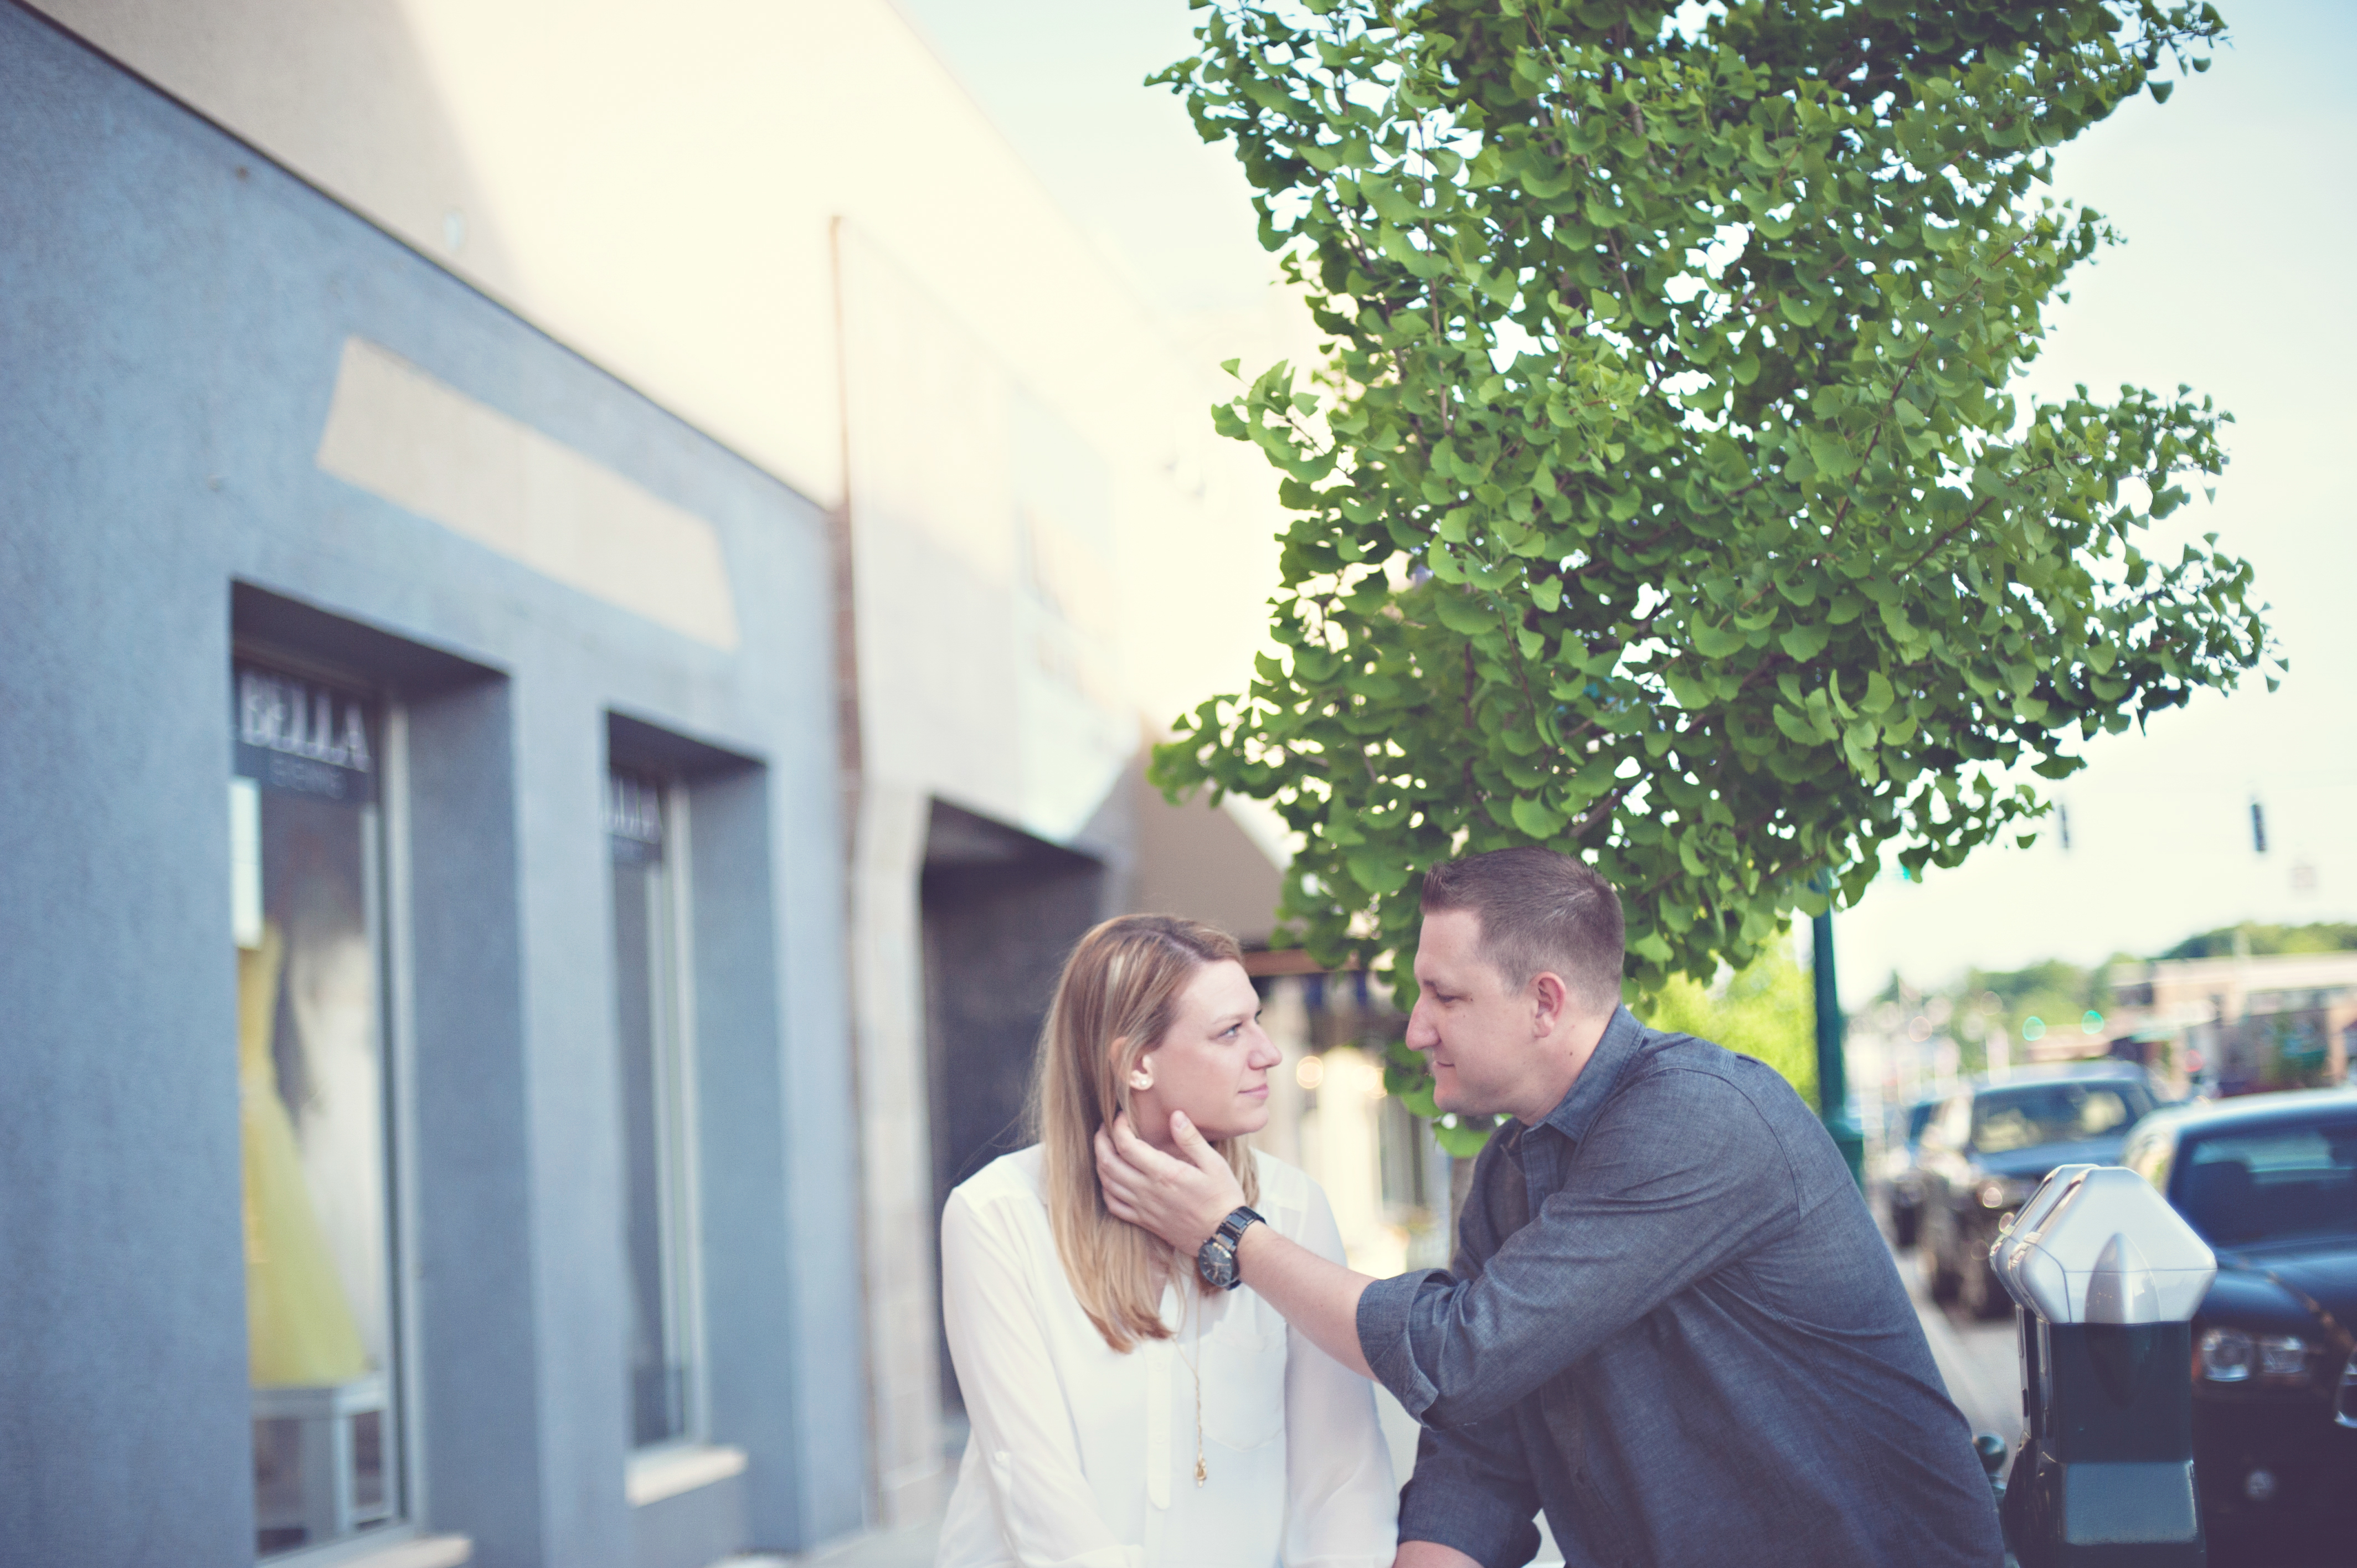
column 2271, row 1185
column 2005, row 1120
column 1917, row 1115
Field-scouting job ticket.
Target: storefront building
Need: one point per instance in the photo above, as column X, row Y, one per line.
column 426, row 1129
column 582, row 595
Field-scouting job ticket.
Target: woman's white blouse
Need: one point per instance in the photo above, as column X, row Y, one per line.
column 1083, row 1458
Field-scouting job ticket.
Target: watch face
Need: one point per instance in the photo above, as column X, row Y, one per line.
column 1217, row 1263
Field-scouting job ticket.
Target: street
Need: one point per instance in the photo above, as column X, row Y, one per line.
column 1977, row 1358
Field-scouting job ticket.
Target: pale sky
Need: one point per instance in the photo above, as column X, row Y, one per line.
column 2235, row 202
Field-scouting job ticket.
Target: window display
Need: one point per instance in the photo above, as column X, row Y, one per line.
column 641, row 816
column 312, row 1109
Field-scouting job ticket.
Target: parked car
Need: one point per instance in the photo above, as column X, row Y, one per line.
column 1903, row 1189
column 2270, row 1180
column 1989, row 1145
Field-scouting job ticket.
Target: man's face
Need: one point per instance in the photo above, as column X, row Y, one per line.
column 1477, row 1032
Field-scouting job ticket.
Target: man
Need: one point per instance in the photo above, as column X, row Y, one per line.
column 1670, row 1323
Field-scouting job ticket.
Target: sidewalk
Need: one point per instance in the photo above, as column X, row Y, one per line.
column 909, row 1547
column 1980, row 1362
column 913, row 1545
column 1977, row 1361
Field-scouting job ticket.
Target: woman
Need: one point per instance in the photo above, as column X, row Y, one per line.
column 1126, row 1414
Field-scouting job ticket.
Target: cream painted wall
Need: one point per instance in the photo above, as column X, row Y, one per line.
column 987, row 536
column 395, row 431
column 655, row 188
column 652, row 186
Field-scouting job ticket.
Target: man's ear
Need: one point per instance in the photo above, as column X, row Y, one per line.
column 1550, row 1003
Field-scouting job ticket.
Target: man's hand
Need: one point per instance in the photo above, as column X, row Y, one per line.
column 1181, row 1201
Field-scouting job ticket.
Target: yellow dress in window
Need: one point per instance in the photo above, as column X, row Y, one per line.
column 300, row 1328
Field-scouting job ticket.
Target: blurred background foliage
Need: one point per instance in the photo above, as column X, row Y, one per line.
column 1766, row 1010
column 1763, row 1010
column 2056, row 998
column 2324, row 936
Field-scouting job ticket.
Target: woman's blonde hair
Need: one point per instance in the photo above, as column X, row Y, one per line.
column 1114, row 1002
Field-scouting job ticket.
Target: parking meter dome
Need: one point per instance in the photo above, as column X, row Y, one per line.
column 2097, row 1244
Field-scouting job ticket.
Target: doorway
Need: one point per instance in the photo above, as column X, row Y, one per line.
column 1001, row 911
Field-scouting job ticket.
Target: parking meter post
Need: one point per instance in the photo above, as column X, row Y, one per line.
column 1991, row 1449
column 1833, row 1068
column 2104, row 1278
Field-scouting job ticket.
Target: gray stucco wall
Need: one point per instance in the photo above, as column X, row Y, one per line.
column 172, row 308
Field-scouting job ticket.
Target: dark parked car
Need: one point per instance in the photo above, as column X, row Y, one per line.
column 1988, row 1146
column 2270, row 1180
column 1902, row 1190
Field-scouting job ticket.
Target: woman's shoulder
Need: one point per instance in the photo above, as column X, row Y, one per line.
column 1286, row 1194
column 1016, row 1178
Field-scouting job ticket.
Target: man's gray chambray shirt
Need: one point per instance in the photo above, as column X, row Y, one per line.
column 1672, row 1324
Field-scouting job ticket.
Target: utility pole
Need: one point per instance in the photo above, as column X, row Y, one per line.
column 1832, row 1067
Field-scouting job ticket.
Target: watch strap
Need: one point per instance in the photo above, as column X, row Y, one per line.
column 1231, row 1233
column 1215, row 1261
column 1240, row 1220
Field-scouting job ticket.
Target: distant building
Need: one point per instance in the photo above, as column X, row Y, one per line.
column 2239, row 1024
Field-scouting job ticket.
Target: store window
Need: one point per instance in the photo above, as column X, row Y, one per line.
column 645, row 821
column 304, row 836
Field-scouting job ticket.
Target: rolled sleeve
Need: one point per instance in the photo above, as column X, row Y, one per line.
column 1472, row 1490
column 1384, row 1309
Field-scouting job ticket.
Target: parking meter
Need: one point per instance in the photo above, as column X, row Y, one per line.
column 2105, row 1277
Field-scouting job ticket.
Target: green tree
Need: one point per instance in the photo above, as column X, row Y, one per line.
column 1663, row 499
column 2322, row 936
column 1766, row 1011
column 2057, row 993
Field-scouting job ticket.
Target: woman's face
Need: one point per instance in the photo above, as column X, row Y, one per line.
column 1212, row 1063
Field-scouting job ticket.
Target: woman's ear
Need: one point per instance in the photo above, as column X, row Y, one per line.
column 1142, row 1075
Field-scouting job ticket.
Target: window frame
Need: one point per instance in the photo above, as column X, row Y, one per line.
column 677, row 1113
column 386, row 895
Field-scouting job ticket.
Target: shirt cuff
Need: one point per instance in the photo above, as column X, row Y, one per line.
column 1489, row 1529
column 1384, row 1310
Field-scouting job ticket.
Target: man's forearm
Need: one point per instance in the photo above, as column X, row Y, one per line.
column 1319, row 1298
column 1431, row 1554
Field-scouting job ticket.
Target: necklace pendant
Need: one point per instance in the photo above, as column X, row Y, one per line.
column 1202, row 1474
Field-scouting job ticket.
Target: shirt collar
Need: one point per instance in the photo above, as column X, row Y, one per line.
column 1595, row 1083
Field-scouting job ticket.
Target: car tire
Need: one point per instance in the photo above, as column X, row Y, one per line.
column 1939, row 1279
column 1978, row 1291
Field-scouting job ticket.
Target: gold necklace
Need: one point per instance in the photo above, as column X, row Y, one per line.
column 1202, row 1472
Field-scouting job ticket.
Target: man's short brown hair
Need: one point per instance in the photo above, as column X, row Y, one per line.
column 1540, row 912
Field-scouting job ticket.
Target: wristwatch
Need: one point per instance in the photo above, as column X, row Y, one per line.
column 1216, row 1261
